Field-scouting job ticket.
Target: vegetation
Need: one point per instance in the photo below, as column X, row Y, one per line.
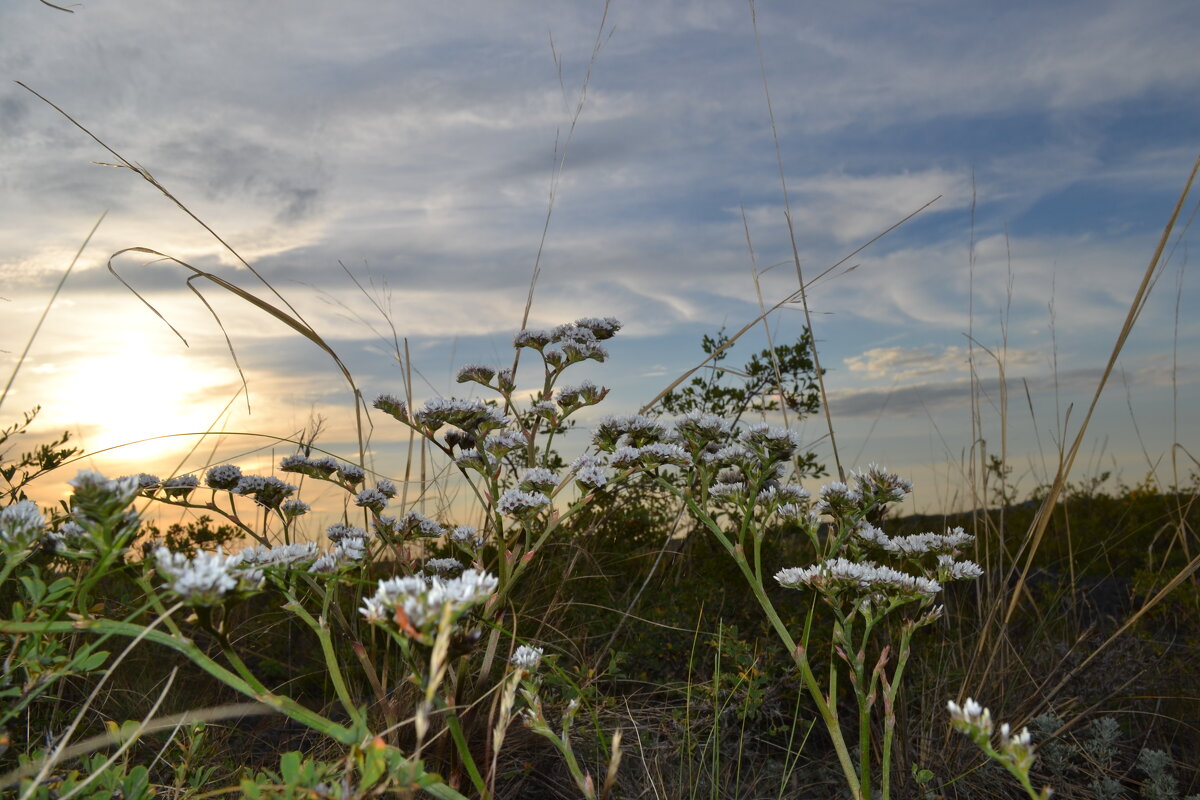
column 671, row 614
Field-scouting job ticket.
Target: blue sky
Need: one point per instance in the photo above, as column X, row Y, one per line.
column 417, row 146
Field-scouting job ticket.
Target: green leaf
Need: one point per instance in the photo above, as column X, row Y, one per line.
column 251, row 789
column 93, row 661
column 289, row 768
column 136, row 784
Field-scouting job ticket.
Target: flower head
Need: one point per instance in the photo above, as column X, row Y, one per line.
column 417, row 603
column 21, row 524
column 205, row 579
column 225, row 477
column 516, row 503
column 527, row 658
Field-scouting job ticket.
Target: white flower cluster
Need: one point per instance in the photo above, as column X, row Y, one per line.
column 526, row 657
column 837, row 498
column 539, row 479
column 975, row 721
column 467, row 536
column 634, row 429
column 916, row 544
column 728, row 456
column 701, row 428
column 465, row 414
column 442, row 565
column 204, row 579
column 516, row 503
column 589, row 471
column 280, row 555
column 421, row 599
column 21, row 524
column 836, row 574
column 372, row 499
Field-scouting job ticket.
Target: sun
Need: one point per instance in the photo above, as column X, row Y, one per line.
column 130, row 401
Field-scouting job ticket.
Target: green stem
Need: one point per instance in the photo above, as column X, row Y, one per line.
column 799, row 654
column 331, row 661
column 189, row 649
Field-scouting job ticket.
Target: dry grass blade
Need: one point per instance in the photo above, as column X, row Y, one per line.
column 144, row 173
column 293, row 322
column 787, row 213
column 1034, row 538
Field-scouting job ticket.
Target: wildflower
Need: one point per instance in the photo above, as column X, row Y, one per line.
column 21, row 524
column 147, row 482
column 587, row 393
column 313, row 467
column 294, row 508
column 582, row 348
column 782, row 493
column 419, row 601
column 205, row 578
column 516, row 503
column 836, row 574
column 503, row 443
column 414, row 522
column 351, row 474
column 727, row 491
column 480, row 373
column 70, row 535
column 179, row 486
column 224, row 477
column 589, row 471
column 526, row 657
column 279, row 555
column 658, row 454
column 605, row 328
column 537, row 338
column 352, row 548
column 372, row 499
column 838, row 499
column 269, row 492
column 625, row 457
column 471, row 459
column 442, row 565
column 545, row 409
column 467, row 536
column 877, row 486
column 469, row 415
column 386, row 488
column 538, row 479
column 339, row 531
column 636, row 429
column 774, row 444
column 249, row 484
column 505, row 381
column 100, row 496
column 951, row 570
column 729, row 455
column 390, row 404
column 700, row 429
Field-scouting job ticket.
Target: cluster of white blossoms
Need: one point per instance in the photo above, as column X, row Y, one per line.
column 516, row 503
column 836, row 574
column 205, row 579
column 526, row 657
column 917, row 544
column 421, row 600
column 589, row 471
column 21, row 524
column 975, row 721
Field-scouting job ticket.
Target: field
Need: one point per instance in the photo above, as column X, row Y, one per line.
column 543, row 599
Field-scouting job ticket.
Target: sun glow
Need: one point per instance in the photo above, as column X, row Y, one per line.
column 129, row 395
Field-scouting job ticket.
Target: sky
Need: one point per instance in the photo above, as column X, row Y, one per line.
column 396, row 170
